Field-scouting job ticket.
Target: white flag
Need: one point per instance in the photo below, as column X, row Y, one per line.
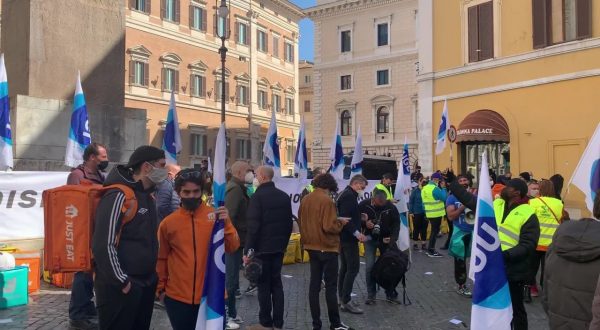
column 443, row 130
column 587, row 174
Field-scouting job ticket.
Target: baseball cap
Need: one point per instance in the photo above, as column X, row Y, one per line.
column 145, row 154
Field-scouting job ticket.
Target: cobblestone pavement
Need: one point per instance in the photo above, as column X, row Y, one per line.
column 434, row 303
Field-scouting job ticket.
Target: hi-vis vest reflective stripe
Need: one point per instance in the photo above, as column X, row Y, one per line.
column 509, row 231
column 433, row 207
column 548, row 222
column 388, row 193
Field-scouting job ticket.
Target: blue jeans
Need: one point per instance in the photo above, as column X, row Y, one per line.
column 370, row 250
column 233, row 263
column 81, row 306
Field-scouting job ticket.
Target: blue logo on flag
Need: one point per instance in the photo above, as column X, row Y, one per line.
column 595, row 178
column 80, row 131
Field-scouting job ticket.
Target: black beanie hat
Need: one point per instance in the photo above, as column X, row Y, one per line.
column 145, row 154
column 518, row 185
column 525, row 176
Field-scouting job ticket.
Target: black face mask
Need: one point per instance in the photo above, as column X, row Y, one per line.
column 191, row 204
column 103, row 165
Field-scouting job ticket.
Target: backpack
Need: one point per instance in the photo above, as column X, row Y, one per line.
column 69, row 214
column 390, row 268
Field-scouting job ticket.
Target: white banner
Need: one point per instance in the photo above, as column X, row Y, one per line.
column 21, row 212
column 22, row 215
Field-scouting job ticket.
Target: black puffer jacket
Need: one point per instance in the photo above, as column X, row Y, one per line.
column 571, row 274
column 347, row 206
column 269, row 220
column 388, row 216
column 135, row 257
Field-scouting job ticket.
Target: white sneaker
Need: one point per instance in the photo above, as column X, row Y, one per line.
column 237, row 319
column 231, row 325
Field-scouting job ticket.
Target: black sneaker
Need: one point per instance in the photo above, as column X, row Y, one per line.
column 341, row 326
column 82, row 325
column 434, row 254
column 370, row 301
column 393, row 300
column 415, row 247
column 251, row 289
column 238, row 294
column 526, row 294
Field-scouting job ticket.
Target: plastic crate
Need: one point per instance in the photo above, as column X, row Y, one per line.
column 13, row 287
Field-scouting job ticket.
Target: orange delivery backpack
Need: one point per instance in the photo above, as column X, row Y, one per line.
column 69, row 215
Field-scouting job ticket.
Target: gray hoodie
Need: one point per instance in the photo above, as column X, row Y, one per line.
column 571, row 273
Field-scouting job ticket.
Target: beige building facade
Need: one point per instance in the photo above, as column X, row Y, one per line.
column 364, row 75
column 172, row 45
column 306, row 73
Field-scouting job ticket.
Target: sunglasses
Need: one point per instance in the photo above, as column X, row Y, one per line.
column 189, row 175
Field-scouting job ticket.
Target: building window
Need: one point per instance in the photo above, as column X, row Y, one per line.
column 170, row 80
column 346, row 41
column 170, row 10
column 383, row 77
column 221, row 26
column 197, row 18
column 290, row 151
column 307, row 79
column 141, row 5
column 556, row 21
column 219, row 88
column 241, row 34
column 198, row 85
column 242, row 95
column 138, row 73
column 199, row 145
column 481, row 32
column 243, row 149
column 382, row 34
column 275, row 46
column 383, row 120
column 289, row 106
column 289, row 52
column 276, row 106
column 346, row 82
column 346, row 119
column 262, row 99
column 262, row 41
column 261, row 147
column 307, row 106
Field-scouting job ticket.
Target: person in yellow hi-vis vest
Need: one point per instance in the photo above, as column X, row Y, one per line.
column 386, row 185
column 518, row 231
column 549, row 211
column 434, row 202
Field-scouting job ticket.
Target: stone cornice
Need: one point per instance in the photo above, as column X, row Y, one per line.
column 344, row 6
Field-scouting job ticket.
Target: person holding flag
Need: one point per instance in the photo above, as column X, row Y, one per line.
column 184, row 252
column 6, row 152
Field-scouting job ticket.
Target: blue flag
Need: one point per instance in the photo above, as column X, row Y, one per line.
column 443, row 130
column 6, row 142
column 172, row 138
column 491, row 307
column 79, row 132
column 336, row 155
column 357, row 157
column 211, row 314
column 301, row 159
column 271, row 148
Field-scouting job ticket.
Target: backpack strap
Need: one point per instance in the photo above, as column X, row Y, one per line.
column 554, row 214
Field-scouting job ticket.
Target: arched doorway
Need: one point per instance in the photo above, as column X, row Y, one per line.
column 484, row 130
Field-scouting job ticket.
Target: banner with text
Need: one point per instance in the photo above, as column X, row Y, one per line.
column 22, row 214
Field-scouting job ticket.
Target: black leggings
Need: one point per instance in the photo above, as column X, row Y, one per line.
column 539, row 257
column 419, row 227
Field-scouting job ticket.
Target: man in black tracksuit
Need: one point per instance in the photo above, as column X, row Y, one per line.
column 347, row 206
column 269, row 223
column 125, row 263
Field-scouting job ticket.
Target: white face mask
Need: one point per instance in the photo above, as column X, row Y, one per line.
column 157, row 175
column 249, row 177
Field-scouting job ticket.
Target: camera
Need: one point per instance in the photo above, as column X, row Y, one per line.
column 376, row 228
column 469, row 216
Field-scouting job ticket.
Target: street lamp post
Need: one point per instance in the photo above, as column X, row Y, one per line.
column 223, row 33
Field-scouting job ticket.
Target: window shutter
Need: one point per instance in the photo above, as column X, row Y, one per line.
column 192, row 144
column 146, row 74
column 473, row 35
column 203, row 28
column 149, row 6
column 217, row 91
column 292, row 53
column 204, row 144
column 237, row 32
column 285, row 51
column 486, row 30
column 266, row 43
column 215, row 24
column 176, row 81
column 131, row 72
column 163, row 78
column 248, row 149
column 192, row 85
column 191, row 15
column 226, row 92
column 177, row 10
column 163, row 8
column 203, row 87
column 248, row 35
column 584, row 19
column 540, row 24
column 132, row 4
